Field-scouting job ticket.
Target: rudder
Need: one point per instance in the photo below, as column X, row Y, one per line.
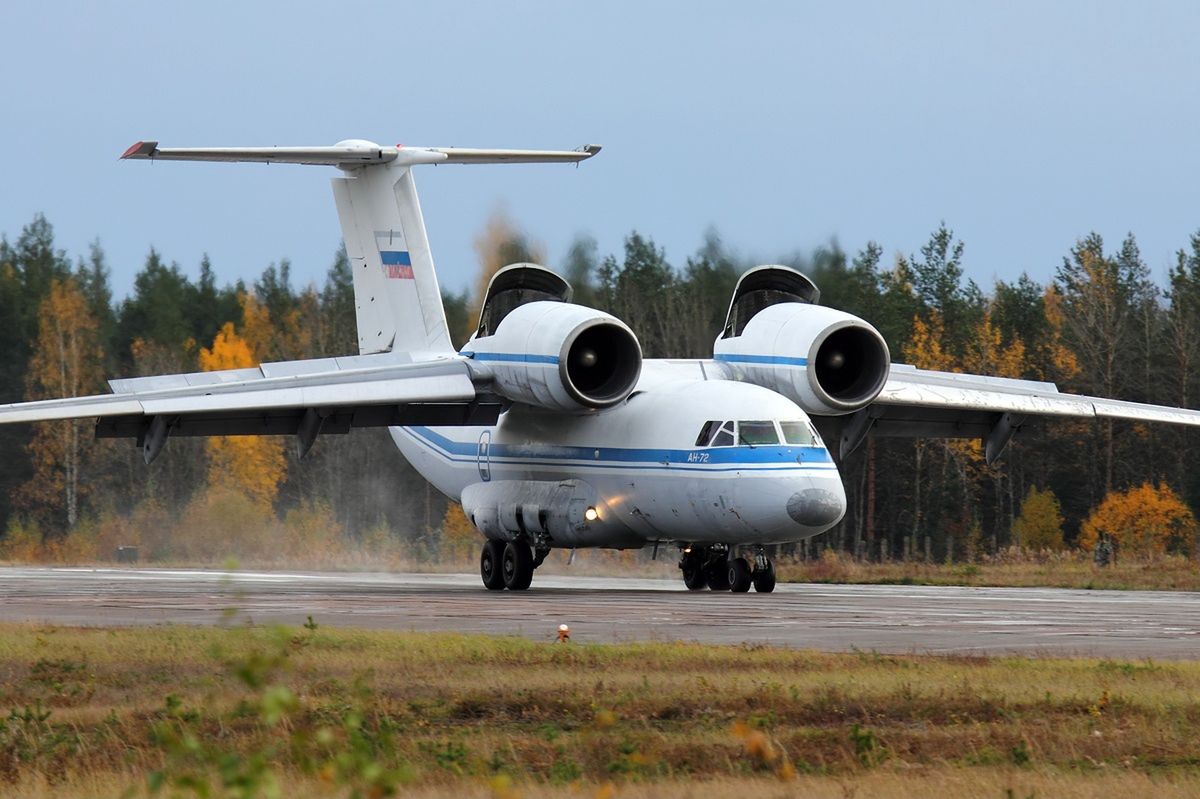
column 397, row 299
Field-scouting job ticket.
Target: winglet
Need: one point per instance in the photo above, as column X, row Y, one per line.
column 141, row 149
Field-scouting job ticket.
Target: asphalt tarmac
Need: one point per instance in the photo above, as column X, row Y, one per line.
column 894, row 619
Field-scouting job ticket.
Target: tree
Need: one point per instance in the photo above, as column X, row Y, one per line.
column 1040, row 525
column 644, row 291
column 937, row 280
column 580, row 269
column 1144, row 520
column 1102, row 297
column 500, row 244
column 339, row 328
column 252, row 465
column 459, row 536
column 158, row 312
column 68, row 361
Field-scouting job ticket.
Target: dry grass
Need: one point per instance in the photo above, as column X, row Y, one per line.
column 478, row 716
column 1067, row 569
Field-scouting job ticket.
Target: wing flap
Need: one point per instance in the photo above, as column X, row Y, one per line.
column 382, row 382
column 919, row 388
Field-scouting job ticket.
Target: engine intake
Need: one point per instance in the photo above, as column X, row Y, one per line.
column 851, row 365
column 559, row 356
column 602, row 363
column 827, row 361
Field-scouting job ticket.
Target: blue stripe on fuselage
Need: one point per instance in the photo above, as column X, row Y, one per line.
column 768, row 360
column 516, row 357
column 717, row 458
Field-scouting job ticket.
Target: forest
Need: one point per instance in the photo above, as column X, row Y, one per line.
column 1096, row 323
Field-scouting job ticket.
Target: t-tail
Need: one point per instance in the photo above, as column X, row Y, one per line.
column 396, row 294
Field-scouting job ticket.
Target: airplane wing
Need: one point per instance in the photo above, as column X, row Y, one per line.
column 305, row 398
column 928, row 404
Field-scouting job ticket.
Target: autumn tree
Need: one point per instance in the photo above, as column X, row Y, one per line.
column 1144, row 520
column 1040, row 524
column 499, row 244
column 460, row 539
column 1103, row 296
column 1182, row 335
column 251, row 465
column 68, row 361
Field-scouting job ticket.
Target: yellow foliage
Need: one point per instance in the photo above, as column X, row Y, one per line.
column 459, row 537
column 1040, row 524
column 22, row 542
column 252, row 465
column 311, row 531
column 1143, row 520
column 67, row 361
column 987, row 355
column 221, row 522
column 277, row 339
column 924, row 348
column 1066, row 365
column 493, row 246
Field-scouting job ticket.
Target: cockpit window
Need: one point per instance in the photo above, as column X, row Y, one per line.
column 798, row 434
column 706, row 433
column 724, row 436
column 754, row 433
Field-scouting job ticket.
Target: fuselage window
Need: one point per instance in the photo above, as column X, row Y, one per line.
column 706, row 433
column 798, row 434
column 724, row 436
column 755, row 433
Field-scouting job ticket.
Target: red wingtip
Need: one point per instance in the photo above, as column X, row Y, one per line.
column 143, row 149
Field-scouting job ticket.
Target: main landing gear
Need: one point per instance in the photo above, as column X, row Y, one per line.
column 509, row 565
column 712, row 567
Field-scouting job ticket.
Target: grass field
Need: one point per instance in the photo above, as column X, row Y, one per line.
column 1069, row 569
column 243, row 711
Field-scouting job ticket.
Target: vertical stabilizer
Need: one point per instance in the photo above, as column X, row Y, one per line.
column 396, row 293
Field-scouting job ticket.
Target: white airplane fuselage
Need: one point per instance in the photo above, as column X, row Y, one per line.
column 638, row 467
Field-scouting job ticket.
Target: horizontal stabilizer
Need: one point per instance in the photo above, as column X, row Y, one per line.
column 355, row 153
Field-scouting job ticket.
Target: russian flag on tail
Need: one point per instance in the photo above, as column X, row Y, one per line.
column 397, row 265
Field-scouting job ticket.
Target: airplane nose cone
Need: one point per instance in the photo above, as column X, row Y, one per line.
column 816, row 507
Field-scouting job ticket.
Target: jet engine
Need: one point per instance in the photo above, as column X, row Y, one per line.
column 826, row 361
column 559, row 356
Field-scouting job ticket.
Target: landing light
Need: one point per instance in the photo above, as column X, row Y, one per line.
column 590, row 514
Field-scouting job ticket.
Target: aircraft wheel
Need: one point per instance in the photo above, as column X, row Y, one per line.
column 739, row 576
column 517, row 566
column 764, row 579
column 693, row 571
column 718, row 576
column 489, row 565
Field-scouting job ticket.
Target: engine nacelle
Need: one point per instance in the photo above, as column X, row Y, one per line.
column 559, row 356
column 826, row 361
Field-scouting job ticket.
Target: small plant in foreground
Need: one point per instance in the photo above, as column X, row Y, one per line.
column 345, row 752
column 867, row 748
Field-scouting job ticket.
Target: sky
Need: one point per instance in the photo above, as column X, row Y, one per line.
column 1022, row 125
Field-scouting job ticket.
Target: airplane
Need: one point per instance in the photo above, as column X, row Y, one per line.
column 548, row 426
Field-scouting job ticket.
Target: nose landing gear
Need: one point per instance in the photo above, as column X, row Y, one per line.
column 712, row 567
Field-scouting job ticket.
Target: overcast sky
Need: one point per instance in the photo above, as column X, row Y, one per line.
column 1022, row 125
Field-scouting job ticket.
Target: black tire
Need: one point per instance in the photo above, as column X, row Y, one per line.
column 718, row 576
column 489, row 565
column 693, row 572
column 517, row 566
column 739, row 576
column 764, row 579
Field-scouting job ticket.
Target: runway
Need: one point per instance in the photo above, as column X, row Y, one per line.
column 894, row 619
